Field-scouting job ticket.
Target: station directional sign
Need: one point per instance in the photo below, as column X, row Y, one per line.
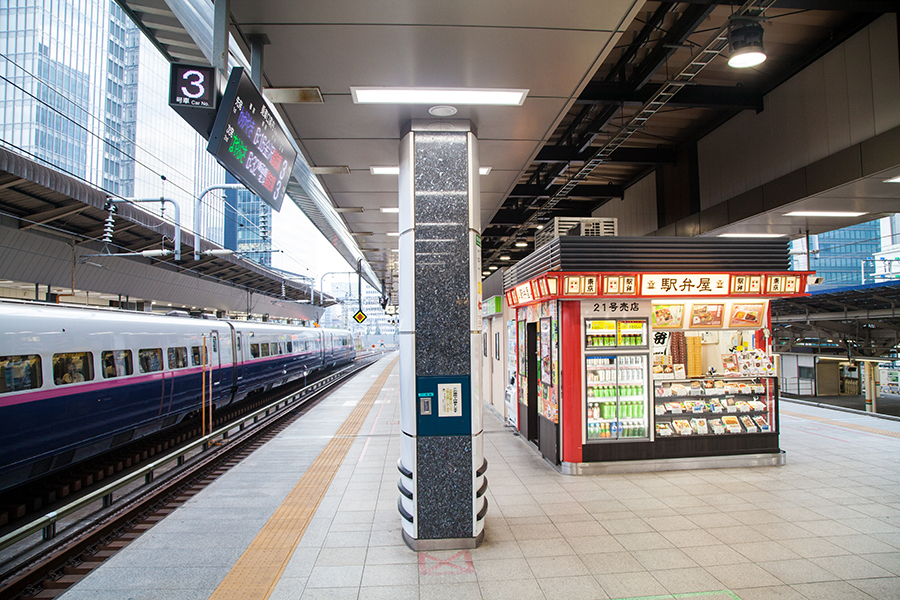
column 359, row 317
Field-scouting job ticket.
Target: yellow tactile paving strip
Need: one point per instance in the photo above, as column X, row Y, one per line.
column 259, row 568
column 893, row 434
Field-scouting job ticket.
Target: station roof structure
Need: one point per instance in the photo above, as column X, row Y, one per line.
column 857, row 321
column 42, row 199
column 593, row 71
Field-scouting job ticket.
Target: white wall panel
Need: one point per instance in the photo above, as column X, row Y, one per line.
column 885, row 66
column 636, row 213
column 837, row 103
column 848, row 96
column 860, row 87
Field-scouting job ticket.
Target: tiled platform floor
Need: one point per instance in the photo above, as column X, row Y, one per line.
column 826, row 525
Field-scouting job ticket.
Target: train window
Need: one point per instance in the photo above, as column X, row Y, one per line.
column 73, row 367
column 264, row 348
column 214, row 345
column 282, row 346
column 254, row 350
column 116, row 363
column 196, row 352
column 290, row 347
column 177, row 358
column 274, row 348
column 20, row 372
column 237, row 340
column 150, row 360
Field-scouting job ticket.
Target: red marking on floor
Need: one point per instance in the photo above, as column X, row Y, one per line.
column 446, row 566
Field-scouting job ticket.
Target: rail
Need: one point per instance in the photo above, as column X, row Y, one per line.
column 47, row 524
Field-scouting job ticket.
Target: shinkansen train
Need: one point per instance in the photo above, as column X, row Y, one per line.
column 75, row 382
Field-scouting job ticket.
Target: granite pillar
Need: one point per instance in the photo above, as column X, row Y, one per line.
column 442, row 483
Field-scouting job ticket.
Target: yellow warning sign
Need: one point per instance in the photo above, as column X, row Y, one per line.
column 359, row 317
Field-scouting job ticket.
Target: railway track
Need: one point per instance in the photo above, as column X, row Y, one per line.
column 47, row 555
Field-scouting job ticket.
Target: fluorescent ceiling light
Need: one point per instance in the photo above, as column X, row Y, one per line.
column 394, row 233
column 752, row 235
column 395, row 170
column 412, row 95
column 893, row 179
column 334, row 170
column 824, row 213
column 484, row 170
column 504, row 257
column 390, row 209
column 493, row 268
column 485, row 272
column 521, row 244
column 395, row 250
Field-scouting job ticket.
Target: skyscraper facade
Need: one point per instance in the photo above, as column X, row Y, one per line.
column 83, row 91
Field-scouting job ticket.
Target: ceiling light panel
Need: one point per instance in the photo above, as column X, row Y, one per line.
column 824, row 213
column 752, row 235
column 469, row 96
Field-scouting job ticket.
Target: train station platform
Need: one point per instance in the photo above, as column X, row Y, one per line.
column 313, row 515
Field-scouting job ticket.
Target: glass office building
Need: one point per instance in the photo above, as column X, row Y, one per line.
column 842, row 257
column 86, row 93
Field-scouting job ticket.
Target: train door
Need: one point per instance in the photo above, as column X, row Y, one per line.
column 215, row 361
column 238, row 356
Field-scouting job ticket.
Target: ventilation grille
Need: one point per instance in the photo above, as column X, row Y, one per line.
column 584, row 226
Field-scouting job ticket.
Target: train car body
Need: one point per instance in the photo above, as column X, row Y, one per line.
column 75, row 382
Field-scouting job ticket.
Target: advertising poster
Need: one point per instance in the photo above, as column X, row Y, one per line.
column 669, row 316
column 747, row 315
column 546, row 372
column 707, row 315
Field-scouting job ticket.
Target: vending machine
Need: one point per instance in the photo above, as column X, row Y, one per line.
column 617, row 380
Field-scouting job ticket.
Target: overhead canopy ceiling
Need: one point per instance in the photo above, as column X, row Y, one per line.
column 37, row 198
column 589, row 67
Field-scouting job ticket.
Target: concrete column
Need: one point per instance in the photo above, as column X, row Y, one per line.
column 871, row 386
column 442, row 484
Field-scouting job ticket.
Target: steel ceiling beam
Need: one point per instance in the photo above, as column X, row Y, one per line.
column 638, row 156
column 694, row 96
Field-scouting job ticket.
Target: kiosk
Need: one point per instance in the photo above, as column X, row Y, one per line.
column 649, row 370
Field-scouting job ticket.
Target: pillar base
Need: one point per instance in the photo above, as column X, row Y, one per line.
column 442, row 544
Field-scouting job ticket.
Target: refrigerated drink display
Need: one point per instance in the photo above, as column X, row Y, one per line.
column 632, row 332
column 616, row 395
column 599, row 333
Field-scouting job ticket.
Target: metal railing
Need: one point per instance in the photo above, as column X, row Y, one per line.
column 797, row 385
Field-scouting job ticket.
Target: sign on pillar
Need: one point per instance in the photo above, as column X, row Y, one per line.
column 442, row 484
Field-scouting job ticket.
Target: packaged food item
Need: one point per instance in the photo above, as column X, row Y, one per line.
column 699, row 426
column 732, row 425
column 674, row 407
column 749, row 425
column 761, row 423
column 717, row 427
column 682, row 427
column 663, row 429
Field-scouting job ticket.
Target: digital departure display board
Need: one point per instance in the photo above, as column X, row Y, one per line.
column 248, row 141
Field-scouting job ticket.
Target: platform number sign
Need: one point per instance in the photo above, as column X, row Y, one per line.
column 192, row 86
column 359, row 317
